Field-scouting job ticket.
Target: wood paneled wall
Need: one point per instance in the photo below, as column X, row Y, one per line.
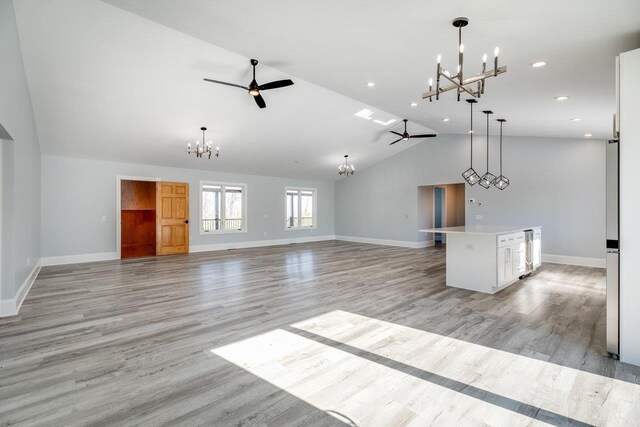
column 138, row 218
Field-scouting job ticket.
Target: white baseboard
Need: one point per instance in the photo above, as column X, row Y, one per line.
column 77, row 259
column 11, row 306
column 401, row 243
column 258, row 243
column 574, row 260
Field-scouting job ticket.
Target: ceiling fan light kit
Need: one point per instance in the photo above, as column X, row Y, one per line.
column 405, row 136
column 254, row 88
column 474, row 85
column 205, row 149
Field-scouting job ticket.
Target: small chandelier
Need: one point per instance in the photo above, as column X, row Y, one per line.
column 470, row 175
column 488, row 179
column 502, row 181
column 457, row 81
column 204, row 149
column 346, row 169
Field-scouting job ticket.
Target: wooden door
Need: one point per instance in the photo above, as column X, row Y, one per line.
column 172, row 218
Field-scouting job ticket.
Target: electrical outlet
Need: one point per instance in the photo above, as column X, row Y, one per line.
column 104, row 218
column 266, row 216
column 469, row 246
column 265, row 234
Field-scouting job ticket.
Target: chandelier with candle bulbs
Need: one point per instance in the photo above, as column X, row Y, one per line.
column 346, row 168
column 204, row 148
column 473, row 85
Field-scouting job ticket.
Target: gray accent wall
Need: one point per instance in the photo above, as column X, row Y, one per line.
column 20, row 164
column 556, row 183
column 77, row 193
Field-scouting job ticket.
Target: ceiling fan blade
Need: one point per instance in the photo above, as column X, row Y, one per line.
column 275, row 85
column 394, row 132
column 260, row 101
column 428, row 135
column 227, row 84
column 396, row 141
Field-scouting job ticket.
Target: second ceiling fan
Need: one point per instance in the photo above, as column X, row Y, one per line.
column 405, row 135
column 254, row 88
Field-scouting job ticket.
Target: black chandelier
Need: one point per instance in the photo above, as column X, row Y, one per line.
column 502, row 181
column 470, row 175
column 488, row 179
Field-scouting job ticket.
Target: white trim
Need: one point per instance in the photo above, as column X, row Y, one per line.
column 77, row 259
column 574, row 260
column 314, row 200
column 245, row 199
column 119, row 179
column 257, row 243
column 400, row 243
column 11, row 307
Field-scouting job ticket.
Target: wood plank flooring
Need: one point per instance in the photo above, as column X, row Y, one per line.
column 327, row 333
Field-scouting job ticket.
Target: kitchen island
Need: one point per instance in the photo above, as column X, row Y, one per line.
column 490, row 258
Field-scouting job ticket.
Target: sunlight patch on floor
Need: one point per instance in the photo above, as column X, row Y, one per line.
column 381, row 373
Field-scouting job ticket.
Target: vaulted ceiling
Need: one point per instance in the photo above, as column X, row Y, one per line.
column 122, row 79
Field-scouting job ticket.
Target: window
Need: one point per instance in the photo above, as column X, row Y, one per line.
column 223, row 207
column 301, row 207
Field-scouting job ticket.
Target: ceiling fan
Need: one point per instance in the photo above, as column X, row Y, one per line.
column 254, row 88
column 405, row 135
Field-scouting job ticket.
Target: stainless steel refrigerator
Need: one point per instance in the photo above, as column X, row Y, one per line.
column 613, row 250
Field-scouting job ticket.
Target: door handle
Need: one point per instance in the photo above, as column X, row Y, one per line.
column 186, row 221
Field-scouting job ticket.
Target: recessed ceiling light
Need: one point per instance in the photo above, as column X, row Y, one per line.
column 538, row 64
column 562, row 98
column 446, row 119
column 371, row 84
column 414, row 104
column 576, row 120
column 588, row 135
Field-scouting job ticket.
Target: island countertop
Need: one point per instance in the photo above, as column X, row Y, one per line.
column 478, row 229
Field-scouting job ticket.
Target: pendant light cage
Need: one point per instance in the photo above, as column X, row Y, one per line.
column 502, row 181
column 470, row 175
column 488, row 179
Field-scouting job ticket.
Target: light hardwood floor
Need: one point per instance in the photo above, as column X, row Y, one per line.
column 328, row 333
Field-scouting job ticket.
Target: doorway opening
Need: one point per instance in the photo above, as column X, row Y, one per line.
column 440, row 205
column 152, row 217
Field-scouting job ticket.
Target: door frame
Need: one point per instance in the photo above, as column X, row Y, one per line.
column 119, row 179
column 444, row 211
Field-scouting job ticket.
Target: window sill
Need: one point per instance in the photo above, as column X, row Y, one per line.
column 215, row 233
column 300, row 228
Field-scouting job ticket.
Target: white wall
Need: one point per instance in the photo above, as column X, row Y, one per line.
column 629, row 207
column 556, row 183
column 20, row 170
column 77, row 193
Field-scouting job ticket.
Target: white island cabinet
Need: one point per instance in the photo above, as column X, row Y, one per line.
column 488, row 258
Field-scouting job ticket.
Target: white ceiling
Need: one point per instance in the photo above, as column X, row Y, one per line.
column 109, row 84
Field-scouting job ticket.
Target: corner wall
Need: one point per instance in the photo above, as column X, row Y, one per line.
column 20, row 172
column 557, row 183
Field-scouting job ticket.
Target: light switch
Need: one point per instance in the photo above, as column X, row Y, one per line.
column 479, row 217
column 266, row 216
column 104, row 218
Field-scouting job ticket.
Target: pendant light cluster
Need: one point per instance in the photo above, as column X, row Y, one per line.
column 488, row 179
column 204, row 149
column 346, row 168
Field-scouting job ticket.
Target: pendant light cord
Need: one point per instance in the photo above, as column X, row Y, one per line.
column 471, row 133
column 487, row 142
column 500, row 148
